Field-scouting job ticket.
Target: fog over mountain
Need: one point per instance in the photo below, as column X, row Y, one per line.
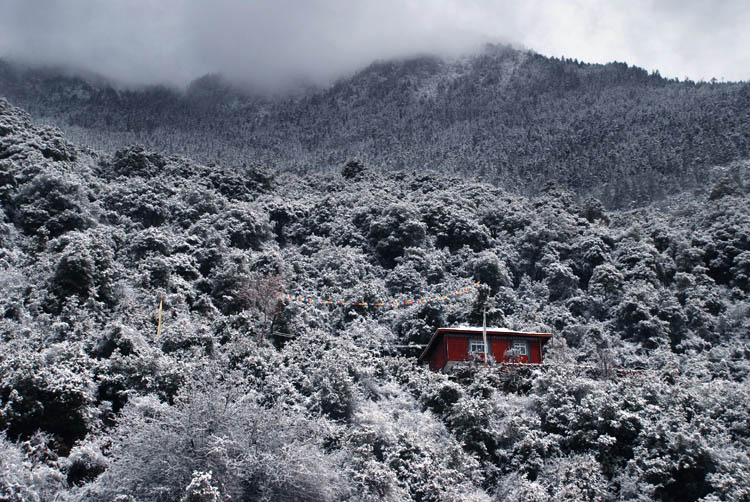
column 514, row 118
column 267, row 43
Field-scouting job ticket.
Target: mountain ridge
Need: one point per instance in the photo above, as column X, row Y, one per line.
column 514, row 118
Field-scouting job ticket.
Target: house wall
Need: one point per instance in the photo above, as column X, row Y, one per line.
column 455, row 347
column 498, row 346
column 535, row 351
column 501, row 344
column 439, row 356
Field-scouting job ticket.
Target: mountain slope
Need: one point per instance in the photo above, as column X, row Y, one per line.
column 513, row 118
column 249, row 394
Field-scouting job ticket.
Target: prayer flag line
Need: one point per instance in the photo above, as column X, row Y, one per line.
column 388, row 303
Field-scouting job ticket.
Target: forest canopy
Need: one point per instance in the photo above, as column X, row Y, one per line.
column 515, row 118
column 250, row 395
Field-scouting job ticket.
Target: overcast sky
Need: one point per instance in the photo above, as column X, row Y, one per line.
column 268, row 41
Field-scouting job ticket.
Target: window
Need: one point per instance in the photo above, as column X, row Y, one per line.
column 476, row 347
column 521, row 347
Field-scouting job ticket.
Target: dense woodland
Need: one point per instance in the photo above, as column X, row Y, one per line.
column 516, row 118
column 247, row 395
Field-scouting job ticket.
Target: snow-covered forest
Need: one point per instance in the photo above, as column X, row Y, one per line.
column 516, row 118
column 248, row 395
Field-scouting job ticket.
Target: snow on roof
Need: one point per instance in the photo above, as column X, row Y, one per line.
column 496, row 330
column 474, row 328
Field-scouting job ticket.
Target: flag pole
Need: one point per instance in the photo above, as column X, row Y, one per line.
column 484, row 332
column 158, row 325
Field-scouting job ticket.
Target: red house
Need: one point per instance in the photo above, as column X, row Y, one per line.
column 451, row 346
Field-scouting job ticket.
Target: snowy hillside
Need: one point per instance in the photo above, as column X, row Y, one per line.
column 515, row 119
column 249, row 394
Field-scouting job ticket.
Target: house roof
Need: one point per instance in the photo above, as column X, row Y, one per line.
column 477, row 330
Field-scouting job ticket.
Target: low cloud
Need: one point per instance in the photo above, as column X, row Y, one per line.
column 269, row 42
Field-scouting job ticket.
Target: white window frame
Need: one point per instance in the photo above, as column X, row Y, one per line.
column 479, row 343
column 522, row 346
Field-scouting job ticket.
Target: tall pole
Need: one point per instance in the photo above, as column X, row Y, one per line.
column 484, row 332
column 158, row 326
